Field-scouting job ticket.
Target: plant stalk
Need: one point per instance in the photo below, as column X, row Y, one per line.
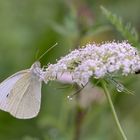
column 113, row 111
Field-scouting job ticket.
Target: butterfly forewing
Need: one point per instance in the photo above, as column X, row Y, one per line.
column 20, row 94
column 6, row 86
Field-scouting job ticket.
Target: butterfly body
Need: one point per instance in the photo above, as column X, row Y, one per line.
column 20, row 94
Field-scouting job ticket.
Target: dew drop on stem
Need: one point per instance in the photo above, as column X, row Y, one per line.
column 69, row 98
column 120, row 87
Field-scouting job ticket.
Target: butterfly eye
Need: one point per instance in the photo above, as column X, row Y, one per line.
column 36, row 65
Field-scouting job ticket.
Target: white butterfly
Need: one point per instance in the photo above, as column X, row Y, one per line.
column 20, row 94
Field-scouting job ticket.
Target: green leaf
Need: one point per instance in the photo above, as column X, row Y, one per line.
column 127, row 31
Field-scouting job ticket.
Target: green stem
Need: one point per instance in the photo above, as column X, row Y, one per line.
column 113, row 111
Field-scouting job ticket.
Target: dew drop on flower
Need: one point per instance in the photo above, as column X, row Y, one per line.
column 69, row 98
column 120, row 87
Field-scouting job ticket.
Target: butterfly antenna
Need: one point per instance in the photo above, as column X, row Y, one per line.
column 37, row 52
column 46, row 51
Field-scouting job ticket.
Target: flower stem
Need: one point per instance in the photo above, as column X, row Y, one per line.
column 113, row 111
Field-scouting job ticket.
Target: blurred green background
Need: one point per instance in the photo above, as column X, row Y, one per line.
column 31, row 25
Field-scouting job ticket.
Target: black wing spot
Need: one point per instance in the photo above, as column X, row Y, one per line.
column 7, row 95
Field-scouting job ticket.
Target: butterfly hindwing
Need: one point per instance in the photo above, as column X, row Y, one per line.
column 25, row 97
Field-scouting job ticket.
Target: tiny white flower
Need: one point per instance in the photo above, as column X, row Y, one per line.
column 94, row 60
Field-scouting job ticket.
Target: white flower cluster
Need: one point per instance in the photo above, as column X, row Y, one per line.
column 95, row 60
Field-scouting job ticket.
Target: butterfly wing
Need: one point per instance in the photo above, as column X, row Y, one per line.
column 25, row 97
column 7, row 85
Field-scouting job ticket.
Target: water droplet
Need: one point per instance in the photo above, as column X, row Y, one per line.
column 120, row 87
column 70, row 98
